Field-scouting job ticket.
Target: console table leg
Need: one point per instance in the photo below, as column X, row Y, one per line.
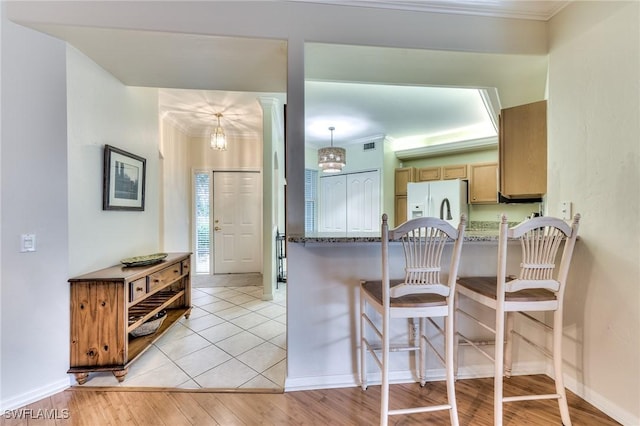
column 81, row 378
column 120, row 374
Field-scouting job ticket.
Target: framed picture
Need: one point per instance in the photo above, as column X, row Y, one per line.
column 123, row 180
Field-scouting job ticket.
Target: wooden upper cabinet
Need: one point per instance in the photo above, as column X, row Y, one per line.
column 483, row 183
column 456, row 171
column 428, row 173
column 523, row 150
column 400, row 209
column 403, row 176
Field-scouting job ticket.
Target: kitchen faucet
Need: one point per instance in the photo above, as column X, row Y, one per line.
column 445, row 201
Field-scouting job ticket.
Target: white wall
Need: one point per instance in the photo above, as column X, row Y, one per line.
column 35, row 297
column 101, row 110
column 594, row 161
column 242, row 153
column 272, row 189
column 175, row 177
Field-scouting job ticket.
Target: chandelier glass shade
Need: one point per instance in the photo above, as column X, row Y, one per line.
column 218, row 138
column 331, row 159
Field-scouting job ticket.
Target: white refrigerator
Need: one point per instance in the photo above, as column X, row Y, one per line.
column 445, row 199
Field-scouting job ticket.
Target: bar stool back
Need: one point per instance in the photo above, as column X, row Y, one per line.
column 420, row 294
column 539, row 286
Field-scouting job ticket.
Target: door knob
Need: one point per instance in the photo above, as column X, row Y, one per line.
column 217, row 228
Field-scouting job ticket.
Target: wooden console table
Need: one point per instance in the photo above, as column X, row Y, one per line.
column 108, row 304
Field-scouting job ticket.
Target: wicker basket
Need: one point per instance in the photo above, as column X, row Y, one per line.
column 151, row 326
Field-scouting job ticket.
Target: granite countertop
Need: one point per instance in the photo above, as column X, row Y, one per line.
column 478, row 231
column 472, row 235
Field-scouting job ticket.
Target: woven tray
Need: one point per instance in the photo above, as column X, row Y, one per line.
column 150, row 326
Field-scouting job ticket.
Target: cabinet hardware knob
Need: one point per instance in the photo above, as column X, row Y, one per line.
column 138, row 288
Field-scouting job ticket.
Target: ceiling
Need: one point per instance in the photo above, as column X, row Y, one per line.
column 186, row 67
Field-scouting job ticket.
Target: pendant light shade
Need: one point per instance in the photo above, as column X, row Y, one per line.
column 332, row 159
column 218, row 138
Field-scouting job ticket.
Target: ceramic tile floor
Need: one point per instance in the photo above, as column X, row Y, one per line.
column 233, row 339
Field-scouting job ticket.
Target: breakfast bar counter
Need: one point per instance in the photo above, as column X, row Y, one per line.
column 324, row 281
column 470, row 236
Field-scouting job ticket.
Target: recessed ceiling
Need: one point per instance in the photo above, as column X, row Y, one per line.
column 408, row 116
column 194, row 111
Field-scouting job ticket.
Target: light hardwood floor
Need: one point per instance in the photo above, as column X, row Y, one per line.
column 346, row 406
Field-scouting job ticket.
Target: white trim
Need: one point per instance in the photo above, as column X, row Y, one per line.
column 35, row 395
column 406, row 376
column 449, row 148
column 602, row 403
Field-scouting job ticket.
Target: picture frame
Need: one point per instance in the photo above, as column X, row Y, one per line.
column 123, row 182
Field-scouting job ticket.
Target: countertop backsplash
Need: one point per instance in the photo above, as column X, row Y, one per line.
column 486, row 225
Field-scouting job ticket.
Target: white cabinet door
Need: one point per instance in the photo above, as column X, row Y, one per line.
column 350, row 203
column 363, row 202
column 332, row 214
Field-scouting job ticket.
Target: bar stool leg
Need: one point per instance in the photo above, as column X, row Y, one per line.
column 508, row 346
column 557, row 368
column 498, row 368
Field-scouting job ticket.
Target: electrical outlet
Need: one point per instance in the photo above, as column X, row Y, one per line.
column 565, row 210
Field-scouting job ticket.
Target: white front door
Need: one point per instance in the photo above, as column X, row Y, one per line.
column 237, row 219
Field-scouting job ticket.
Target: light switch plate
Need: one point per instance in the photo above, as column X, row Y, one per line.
column 565, row 210
column 27, row 242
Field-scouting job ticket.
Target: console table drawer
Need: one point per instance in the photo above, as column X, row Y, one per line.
column 164, row 277
column 137, row 289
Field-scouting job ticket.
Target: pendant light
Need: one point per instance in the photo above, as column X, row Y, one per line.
column 332, row 159
column 218, row 139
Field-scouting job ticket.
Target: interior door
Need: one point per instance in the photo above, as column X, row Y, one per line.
column 332, row 214
column 350, row 203
column 237, row 219
column 363, row 202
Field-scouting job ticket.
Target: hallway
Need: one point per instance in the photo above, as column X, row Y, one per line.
column 232, row 339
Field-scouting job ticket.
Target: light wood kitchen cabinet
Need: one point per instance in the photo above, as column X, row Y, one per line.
column 429, row 173
column 400, row 211
column 456, row 171
column 523, row 150
column 483, row 183
column 403, row 176
column 109, row 304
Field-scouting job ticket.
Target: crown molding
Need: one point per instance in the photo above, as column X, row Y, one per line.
column 448, row 148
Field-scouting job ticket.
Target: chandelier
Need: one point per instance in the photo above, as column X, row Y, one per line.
column 331, row 159
column 218, row 139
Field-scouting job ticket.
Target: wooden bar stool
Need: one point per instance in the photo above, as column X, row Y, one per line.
column 421, row 294
column 538, row 287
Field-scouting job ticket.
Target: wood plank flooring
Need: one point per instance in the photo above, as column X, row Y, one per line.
column 346, row 406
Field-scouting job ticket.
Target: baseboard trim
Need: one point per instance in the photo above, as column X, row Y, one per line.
column 600, row 402
column 351, row 380
column 34, row 395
